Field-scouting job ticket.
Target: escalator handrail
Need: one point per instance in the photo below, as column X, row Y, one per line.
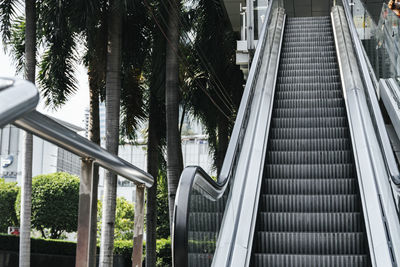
column 383, row 139
column 196, row 176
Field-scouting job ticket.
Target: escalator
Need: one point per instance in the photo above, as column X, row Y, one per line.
column 309, row 178
column 310, row 210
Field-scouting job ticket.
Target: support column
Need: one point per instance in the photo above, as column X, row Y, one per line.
column 83, row 250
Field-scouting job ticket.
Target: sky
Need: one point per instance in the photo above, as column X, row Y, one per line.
column 73, row 110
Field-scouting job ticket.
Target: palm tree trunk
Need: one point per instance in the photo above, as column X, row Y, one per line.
column 94, row 136
column 174, row 153
column 26, row 190
column 152, row 168
column 137, row 249
column 113, row 95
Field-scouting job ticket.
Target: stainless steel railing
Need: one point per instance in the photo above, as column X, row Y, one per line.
column 18, row 100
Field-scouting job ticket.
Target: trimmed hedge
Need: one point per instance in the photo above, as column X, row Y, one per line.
column 39, row 245
column 8, row 196
column 68, row 248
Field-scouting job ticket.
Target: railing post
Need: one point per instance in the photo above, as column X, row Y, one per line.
column 250, row 26
column 84, row 249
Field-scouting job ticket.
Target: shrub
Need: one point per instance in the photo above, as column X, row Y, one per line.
column 164, row 254
column 55, row 201
column 124, row 219
column 8, row 196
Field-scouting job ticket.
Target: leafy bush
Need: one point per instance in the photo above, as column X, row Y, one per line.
column 124, row 219
column 164, row 254
column 55, row 201
column 8, row 196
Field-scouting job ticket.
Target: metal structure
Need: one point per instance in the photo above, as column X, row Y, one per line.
column 310, row 180
column 18, row 101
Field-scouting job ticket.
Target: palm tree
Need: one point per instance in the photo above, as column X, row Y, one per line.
column 25, row 57
column 156, row 132
column 113, row 94
column 26, row 190
column 174, row 152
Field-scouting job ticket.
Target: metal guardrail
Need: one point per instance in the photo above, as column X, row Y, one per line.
column 48, row 129
column 390, row 160
column 373, row 170
column 13, row 107
column 18, row 100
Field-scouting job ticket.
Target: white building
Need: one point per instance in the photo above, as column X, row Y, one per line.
column 47, row 157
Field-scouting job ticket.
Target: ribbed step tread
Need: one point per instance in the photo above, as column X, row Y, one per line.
column 297, row 60
column 309, row 103
column 338, row 144
column 310, row 203
column 309, row 122
column 310, row 186
column 205, row 221
column 309, row 171
column 309, row 87
column 307, row 112
column 309, row 66
column 309, row 79
column 200, row 203
column 309, row 157
column 309, row 73
column 311, row 243
column 282, row 260
column 309, row 133
column 200, row 259
column 345, row 222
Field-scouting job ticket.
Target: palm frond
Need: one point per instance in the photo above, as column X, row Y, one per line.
column 8, row 10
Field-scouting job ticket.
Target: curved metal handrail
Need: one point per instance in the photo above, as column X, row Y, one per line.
column 383, row 139
column 196, row 176
column 13, row 107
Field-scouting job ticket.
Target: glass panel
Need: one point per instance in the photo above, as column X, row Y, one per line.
column 380, row 38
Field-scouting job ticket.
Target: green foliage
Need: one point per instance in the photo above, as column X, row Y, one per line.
column 163, row 230
column 8, row 195
column 39, row 245
column 164, row 254
column 124, row 219
column 55, row 200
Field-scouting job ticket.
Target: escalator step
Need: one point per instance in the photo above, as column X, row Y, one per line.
column 315, row 54
column 309, row 203
column 309, row 87
column 309, row 103
column 307, row 112
column 310, row 73
column 309, row 171
column 308, row 133
column 285, row 260
column 310, row 186
column 200, row 259
column 310, row 222
column 205, row 221
column 199, row 203
column 297, row 60
column 338, row 144
column 309, row 122
column 305, row 43
column 311, row 243
column 309, row 79
column 309, row 66
column 309, row 157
